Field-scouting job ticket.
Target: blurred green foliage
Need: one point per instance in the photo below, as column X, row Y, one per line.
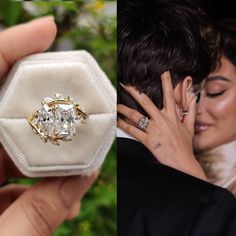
column 89, row 25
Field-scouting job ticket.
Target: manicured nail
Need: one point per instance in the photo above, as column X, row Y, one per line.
column 122, row 85
column 165, row 75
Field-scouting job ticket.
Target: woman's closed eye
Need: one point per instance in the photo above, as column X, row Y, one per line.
column 215, row 89
column 216, row 86
column 212, row 94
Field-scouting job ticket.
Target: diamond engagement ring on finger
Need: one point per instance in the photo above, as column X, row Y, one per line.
column 56, row 119
column 143, row 122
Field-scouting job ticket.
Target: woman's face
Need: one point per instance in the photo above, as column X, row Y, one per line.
column 216, row 111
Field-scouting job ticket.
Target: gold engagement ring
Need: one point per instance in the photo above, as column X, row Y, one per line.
column 56, row 119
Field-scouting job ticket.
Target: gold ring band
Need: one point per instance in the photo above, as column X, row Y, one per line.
column 56, row 119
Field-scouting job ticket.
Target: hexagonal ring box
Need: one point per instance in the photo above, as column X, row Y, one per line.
column 57, row 114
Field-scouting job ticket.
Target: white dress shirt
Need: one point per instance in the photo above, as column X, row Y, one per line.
column 122, row 134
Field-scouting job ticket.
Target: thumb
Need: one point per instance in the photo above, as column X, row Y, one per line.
column 41, row 209
column 25, row 39
column 189, row 119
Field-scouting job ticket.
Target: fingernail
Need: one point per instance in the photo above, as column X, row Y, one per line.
column 165, row 75
column 122, row 85
column 73, row 188
column 44, row 18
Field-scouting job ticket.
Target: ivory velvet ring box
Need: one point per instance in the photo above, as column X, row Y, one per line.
column 57, row 114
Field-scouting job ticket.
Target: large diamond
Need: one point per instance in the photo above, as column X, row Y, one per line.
column 56, row 119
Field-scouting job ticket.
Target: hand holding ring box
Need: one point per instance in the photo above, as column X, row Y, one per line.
column 57, row 114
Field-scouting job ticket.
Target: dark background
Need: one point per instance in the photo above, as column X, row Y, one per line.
column 219, row 9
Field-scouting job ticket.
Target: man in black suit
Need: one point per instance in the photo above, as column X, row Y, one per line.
column 154, row 199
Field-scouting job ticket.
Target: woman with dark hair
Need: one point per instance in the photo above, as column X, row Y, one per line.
column 215, row 129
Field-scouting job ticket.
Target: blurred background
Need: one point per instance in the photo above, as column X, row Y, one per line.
column 89, row 25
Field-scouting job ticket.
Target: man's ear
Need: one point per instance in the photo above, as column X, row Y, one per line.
column 183, row 93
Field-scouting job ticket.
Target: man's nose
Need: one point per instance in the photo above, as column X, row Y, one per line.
column 200, row 104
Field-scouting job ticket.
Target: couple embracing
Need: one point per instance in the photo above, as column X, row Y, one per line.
column 169, row 59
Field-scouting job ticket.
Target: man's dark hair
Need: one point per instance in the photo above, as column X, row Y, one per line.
column 156, row 36
column 227, row 28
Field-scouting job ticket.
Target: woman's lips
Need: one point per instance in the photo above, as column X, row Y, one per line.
column 200, row 127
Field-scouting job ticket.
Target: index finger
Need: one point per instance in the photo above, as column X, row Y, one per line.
column 144, row 101
column 25, row 39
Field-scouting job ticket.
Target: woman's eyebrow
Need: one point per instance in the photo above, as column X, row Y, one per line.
column 213, row 78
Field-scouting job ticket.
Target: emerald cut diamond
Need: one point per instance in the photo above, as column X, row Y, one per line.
column 56, row 119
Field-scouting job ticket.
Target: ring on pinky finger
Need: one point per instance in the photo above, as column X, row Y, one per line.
column 131, row 130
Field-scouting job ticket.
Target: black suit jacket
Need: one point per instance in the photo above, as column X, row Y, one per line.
column 156, row 200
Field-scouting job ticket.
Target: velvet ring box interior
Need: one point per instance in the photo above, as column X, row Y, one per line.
column 72, row 73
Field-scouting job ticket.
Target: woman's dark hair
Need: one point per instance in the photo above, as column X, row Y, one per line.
column 227, row 29
column 156, row 36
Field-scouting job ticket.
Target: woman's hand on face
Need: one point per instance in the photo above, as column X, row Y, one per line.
column 166, row 136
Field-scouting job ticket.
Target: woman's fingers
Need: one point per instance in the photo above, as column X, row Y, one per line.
column 189, row 119
column 143, row 100
column 131, row 129
column 168, row 92
column 9, row 193
column 146, row 103
column 130, row 113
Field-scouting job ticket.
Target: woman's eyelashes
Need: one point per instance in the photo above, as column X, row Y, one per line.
column 215, row 89
column 216, row 86
column 214, row 94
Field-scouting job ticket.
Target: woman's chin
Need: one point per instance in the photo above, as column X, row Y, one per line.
column 200, row 144
column 208, row 140
column 203, row 140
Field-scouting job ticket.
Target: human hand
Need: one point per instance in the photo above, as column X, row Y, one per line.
column 36, row 210
column 15, row 43
column 166, row 136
